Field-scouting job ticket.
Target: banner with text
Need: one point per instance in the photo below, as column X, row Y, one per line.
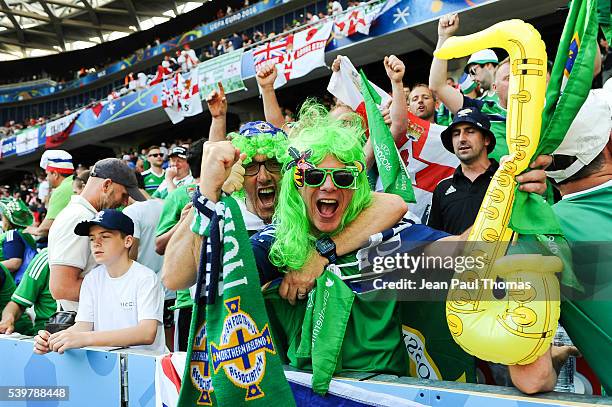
column 225, row 69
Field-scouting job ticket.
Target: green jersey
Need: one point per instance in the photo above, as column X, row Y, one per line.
column 60, row 198
column 171, row 213
column 443, row 115
column 7, row 287
column 152, row 181
column 587, row 217
column 162, row 191
column 497, row 116
column 489, row 96
column 372, row 340
column 33, row 290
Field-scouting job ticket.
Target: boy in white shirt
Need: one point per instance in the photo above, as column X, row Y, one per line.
column 121, row 301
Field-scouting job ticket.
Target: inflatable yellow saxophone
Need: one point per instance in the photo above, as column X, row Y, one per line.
column 514, row 325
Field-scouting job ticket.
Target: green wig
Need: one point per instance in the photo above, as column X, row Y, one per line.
column 324, row 135
column 259, row 137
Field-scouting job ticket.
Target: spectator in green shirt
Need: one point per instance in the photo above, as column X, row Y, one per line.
column 33, row 291
column 581, row 170
column 59, row 168
column 493, row 106
column 16, row 247
column 155, row 175
column 23, row 324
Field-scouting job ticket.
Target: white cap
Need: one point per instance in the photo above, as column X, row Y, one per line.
column 589, row 133
column 126, row 157
column 57, row 160
column 482, row 57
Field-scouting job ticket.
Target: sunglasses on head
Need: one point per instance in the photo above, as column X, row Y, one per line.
column 472, row 69
column 156, row 155
column 253, row 167
column 341, row 177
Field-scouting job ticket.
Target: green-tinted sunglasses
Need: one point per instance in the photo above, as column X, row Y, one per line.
column 341, row 177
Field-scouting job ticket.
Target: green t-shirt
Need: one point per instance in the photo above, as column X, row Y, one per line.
column 171, row 213
column 489, row 96
column 443, row 115
column 162, row 191
column 497, row 116
column 152, row 181
column 60, row 197
column 33, row 290
column 372, row 340
column 7, row 287
column 587, row 217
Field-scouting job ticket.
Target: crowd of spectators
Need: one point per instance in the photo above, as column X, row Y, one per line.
column 183, row 60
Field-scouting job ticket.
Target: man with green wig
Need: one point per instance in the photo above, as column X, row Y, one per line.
column 324, row 194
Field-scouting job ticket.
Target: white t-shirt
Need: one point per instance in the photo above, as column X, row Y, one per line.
column 65, row 247
column 121, row 302
column 43, row 190
column 145, row 216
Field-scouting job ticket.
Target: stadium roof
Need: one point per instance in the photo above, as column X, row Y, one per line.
column 30, row 28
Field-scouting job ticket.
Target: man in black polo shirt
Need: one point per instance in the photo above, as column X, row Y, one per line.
column 456, row 200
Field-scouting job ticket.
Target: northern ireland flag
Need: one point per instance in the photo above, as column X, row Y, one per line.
column 59, row 130
column 359, row 19
column 297, row 54
column 346, row 86
column 182, row 98
column 427, row 161
column 168, row 372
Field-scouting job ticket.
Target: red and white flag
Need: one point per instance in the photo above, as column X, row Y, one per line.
column 427, row 161
column 59, row 130
column 295, row 55
column 359, row 19
column 182, row 98
column 168, row 373
column 346, row 86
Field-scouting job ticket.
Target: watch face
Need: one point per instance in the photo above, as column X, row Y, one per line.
column 324, row 245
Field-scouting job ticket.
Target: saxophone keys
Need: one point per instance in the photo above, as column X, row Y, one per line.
column 455, row 325
column 496, row 195
column 524, row 316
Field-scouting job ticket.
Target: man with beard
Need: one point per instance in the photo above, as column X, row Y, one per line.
column 481, row 68
column 456, row 200
column 422, row 103
column 110, row 184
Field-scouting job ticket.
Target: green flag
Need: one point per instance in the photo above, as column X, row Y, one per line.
column 570, row 82
column 391, row 168
column 327, row 313
column 232, row 357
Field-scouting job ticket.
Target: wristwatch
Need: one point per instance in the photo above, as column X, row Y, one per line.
column 326, row 248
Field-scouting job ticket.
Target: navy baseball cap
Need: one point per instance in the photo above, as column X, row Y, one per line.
column 473, row 116
column 179, row 151
column 110, row 219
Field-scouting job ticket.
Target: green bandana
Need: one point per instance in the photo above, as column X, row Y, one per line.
column 232, row 357
column 327, row 313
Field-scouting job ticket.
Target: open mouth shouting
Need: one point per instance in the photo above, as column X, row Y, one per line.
column 327, row 207
column 266, row 197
